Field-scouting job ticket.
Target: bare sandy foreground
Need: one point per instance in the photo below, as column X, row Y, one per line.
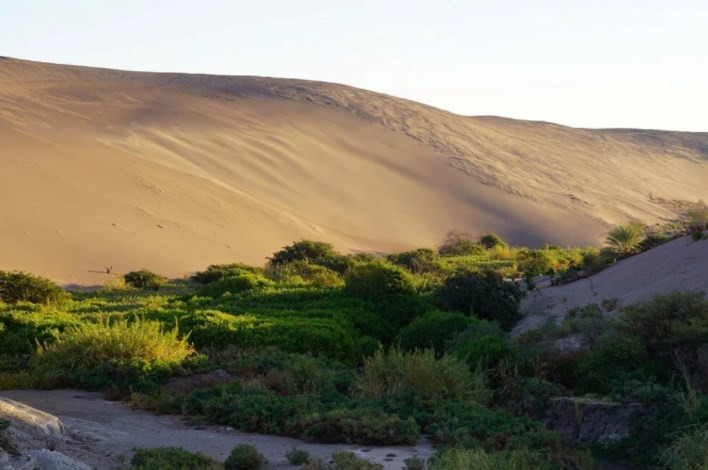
column 102, row 433
column 172, row 172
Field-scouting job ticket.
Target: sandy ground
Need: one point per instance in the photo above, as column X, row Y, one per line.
column 681, row 264
column 101, row 433
column 172, row 172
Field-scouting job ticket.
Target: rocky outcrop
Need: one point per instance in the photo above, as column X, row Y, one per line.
column 583, row 421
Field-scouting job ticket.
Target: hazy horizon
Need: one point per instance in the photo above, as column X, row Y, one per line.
column 634, row 65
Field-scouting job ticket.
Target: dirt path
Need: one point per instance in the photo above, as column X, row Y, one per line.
column 102, row 433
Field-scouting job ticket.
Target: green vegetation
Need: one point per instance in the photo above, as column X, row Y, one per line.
column 626, row 239
column 16, row 286
column 171, row 458
column 245, row 457
column 375, row 350
column 144, row 279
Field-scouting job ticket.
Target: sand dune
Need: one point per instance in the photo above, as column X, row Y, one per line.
column 174, row 171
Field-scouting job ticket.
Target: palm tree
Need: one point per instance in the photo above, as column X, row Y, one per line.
column 625, row 239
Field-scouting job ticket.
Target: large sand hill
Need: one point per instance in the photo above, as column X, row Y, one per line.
column 173, row 171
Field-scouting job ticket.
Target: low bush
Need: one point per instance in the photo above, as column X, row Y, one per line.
column 245, row 457
column 416, row 261
column 433, row 330
column 414, row 463
column 492, row 240
column 626, row 239
column 17, row 286
column 459, row 243
column 484, row 295
column 297, row 456
column 144, row 279
column 171, row 458
column 313, row 252
column 305, row 273
column 235, row 285
column 349, row 461
column 358, row 426
column 420, row 374
column 216, row 272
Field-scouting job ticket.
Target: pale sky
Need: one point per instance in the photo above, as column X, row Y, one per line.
column 600, row 63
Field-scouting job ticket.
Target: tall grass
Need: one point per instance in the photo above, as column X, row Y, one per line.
column 689, row 451
column 420, row 373
column 90, row 344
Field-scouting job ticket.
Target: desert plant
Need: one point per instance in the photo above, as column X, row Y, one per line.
column 625, row 239
column 313, row 252
column 144, row 279
column 91, row 344
column 358, row 426
column 17, row 286
column 297, row 456
column 171, row 458
column 245, row 457
column 420, row 373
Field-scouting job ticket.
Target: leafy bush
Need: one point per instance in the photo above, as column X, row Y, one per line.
column 297, row 456
column 459, row 243
column 17, row 286
column 482, row 343
column 414, row 463
column 217, row 272
column 144, row 279
column 171, row 458
column 492, row 240
column 689, row 451
column 433, row 330
column 388, row 287
column 416, row 261
column 485, row 296
column 245, row 457
column 312, row 252
column 359, row 426
column 235, row 285
column 420, row 374
column 625, row 239
column 303, row 272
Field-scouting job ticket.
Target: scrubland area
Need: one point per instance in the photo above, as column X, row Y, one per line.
column 381, row 350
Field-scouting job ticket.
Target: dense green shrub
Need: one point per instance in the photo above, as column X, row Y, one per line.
column 235, row 285
column 388, row 287
column 171, row 458
column 313, row 252
column 421, row 374
column 144, row 279
column 479, row 459
column 482, row 343
column 303, row 272
column 416, row 261
column 17, row 286
column 484, row 295
column 414, row 463
column 297, row 456
column 433, row 330
column 491, row 240
column 245, row 457
column 217, row 272
column 358, row 426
